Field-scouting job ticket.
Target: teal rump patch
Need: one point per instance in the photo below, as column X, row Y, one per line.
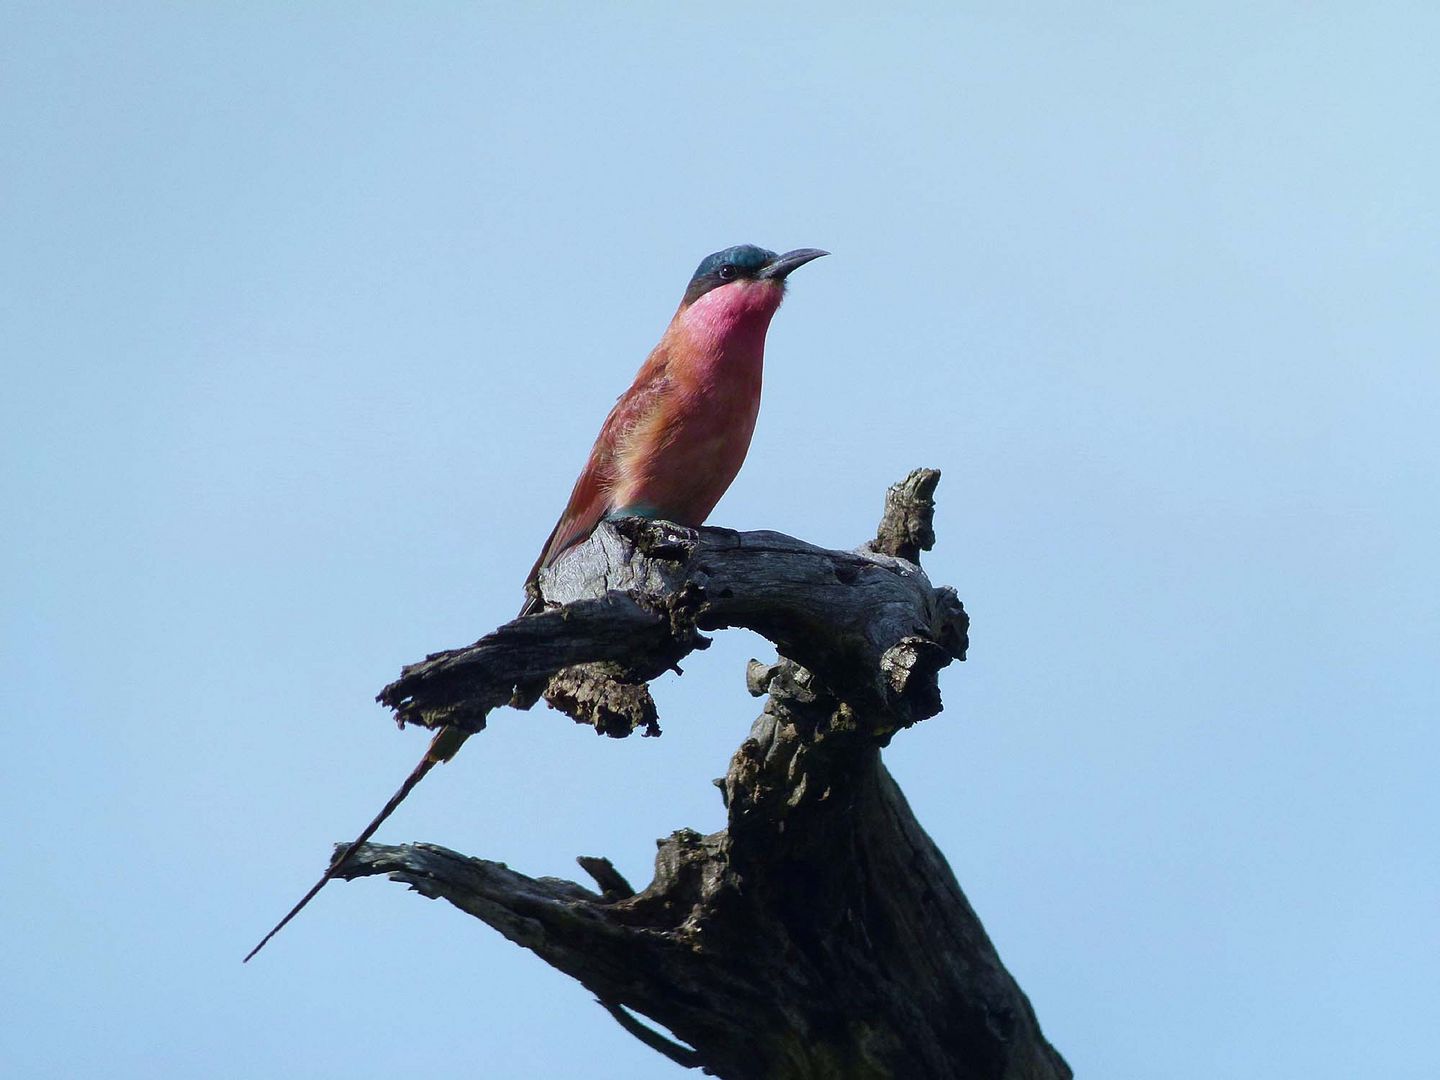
column 640, row 510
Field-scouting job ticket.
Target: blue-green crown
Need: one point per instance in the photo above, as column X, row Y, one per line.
column 747, row 259
column 740, row 261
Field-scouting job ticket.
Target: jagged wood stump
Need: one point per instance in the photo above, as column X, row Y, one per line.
column 821, row 934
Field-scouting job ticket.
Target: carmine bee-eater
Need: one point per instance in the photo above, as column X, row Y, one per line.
column 669, row 448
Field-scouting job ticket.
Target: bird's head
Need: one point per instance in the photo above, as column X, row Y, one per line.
column 747, row 269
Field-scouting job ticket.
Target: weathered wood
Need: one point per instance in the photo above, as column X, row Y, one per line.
column 821, row 934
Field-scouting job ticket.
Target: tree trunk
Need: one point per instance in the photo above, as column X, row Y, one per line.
column 821, row 934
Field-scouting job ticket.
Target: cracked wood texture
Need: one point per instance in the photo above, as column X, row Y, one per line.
column 821, row 935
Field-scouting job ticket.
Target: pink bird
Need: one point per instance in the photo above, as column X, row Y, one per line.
column 676, row 439
column 669, row 448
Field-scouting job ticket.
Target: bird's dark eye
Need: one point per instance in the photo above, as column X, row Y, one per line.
column 727, row 272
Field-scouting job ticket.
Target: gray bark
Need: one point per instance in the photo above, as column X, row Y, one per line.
column 821, row 934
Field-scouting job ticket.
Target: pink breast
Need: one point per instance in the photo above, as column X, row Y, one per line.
column 699, row 443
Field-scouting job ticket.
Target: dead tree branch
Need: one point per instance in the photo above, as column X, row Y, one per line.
column 821, row 934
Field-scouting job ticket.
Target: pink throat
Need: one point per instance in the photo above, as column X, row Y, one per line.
column 733, row 319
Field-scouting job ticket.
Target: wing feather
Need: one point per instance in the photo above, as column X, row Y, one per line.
column 590, row 500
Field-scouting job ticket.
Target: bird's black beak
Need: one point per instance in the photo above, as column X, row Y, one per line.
column 781, row 265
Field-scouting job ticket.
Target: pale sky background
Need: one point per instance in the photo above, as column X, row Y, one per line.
column 311, row 311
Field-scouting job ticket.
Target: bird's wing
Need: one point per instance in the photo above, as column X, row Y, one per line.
column 590, row 500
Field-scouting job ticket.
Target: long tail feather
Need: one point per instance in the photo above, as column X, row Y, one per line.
column 442, row 748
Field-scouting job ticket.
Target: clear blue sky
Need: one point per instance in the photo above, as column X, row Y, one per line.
column 310, row 314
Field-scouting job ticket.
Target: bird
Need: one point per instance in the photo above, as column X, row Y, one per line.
column 668, row 450
column 677, row 437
